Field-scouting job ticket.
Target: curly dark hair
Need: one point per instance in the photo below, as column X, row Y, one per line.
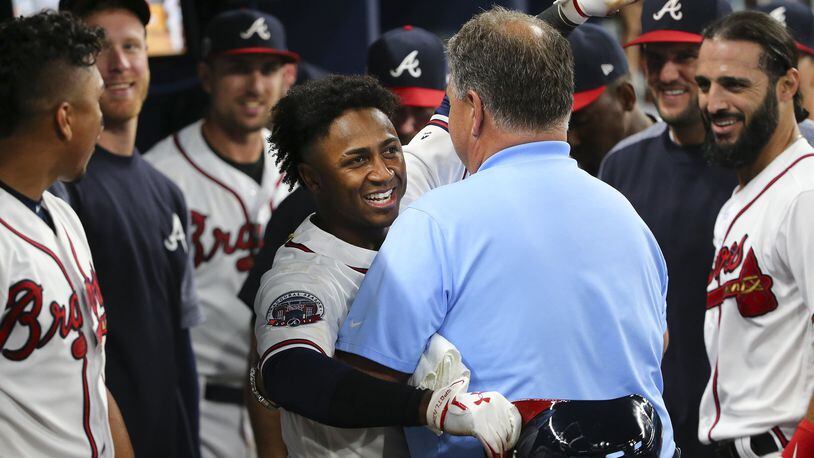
column 304, row 116
column 34, row 53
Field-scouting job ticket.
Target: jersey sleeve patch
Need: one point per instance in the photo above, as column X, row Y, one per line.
column 294, row 308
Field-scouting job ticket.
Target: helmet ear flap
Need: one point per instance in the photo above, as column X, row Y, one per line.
column 624, row 427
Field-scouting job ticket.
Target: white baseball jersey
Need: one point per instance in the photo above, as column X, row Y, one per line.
column 302, row 302
column 431, row 160
column 53, row 400
column 228, row 214
column 760, row 299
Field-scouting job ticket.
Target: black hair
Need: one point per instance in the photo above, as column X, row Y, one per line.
column 34, row 52
column 304, row 116
column 779, row 49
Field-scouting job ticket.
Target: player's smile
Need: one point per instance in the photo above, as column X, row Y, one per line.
column 725, row 126
column 383, row 199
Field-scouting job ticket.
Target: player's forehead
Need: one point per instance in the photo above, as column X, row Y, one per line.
column 720, row 57
column 118, row 24
column 357, row 129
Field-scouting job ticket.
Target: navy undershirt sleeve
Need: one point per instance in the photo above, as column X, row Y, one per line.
column 333, row 393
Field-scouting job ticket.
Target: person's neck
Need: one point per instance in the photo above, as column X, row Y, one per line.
column 637, row 122
column 25, row 169
column 493, row 141
column 688, row 134
column 120, row 138
column 784, row 135
column 240, row 147
column 370, row 239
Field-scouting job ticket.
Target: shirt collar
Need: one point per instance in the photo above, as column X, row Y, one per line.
column 525, row 152
column 326, row 244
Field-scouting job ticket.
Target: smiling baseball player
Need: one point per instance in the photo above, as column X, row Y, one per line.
column 760, row 296
column 231, row 185
column 53, row 399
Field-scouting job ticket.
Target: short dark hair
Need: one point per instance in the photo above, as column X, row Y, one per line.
column 521, row 68
column 304, row 116
column 779, row 49
column 34, row 53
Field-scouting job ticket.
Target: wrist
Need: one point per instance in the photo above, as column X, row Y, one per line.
column 424, row 407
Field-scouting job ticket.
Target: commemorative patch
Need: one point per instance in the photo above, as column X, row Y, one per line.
column 295, row 308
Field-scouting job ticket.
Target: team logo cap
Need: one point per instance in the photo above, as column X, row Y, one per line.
column 598, row 61
column 410, row 61
column 82, row 8
column 798, row 19
column 246, row 31
column 678, row 21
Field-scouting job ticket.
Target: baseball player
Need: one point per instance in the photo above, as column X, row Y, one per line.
column 334, row 137
column 135, row 221
column 231, row 186
column 605, row 108
column 53, row 323
column 758, row 329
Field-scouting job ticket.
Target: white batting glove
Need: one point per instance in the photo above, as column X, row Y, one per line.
column 488, row 416
column 578, row 11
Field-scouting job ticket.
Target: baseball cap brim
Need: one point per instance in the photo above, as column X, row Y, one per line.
column 666, row 36
column 81, row 7
column 805, row 49
column 419, row 96
column 287, row 55
column 585, row 98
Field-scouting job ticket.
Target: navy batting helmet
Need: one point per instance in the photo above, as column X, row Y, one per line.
column 622, row 427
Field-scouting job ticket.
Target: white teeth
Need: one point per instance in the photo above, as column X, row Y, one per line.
column 380, row 196
column 728, row 122
column 118, row 86
column 674, row 92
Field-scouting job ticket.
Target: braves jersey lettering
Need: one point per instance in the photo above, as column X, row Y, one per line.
column 247, row 241
column 228, row 214
column 758, row 330
column 52, row 334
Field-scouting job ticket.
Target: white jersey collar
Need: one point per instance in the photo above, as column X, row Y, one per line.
column 309, row 236
column 799, row 148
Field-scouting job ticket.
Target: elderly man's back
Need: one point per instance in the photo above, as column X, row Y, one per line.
column 547, row 281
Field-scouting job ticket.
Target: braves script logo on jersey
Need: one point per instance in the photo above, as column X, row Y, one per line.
column 294, row 309
column 23, row 307
column 259, row 27
column 752, row 289
column 673, row 7
column 410, row 63
column 247, row 240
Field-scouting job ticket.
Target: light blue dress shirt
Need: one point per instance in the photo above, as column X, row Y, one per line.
column 544, row 278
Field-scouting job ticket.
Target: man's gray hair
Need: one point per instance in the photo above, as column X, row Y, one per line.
column 521, row 68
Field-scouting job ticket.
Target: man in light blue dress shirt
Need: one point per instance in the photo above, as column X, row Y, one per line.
column 544, row 278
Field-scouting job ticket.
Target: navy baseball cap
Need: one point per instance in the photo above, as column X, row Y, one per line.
column 598, row 61
column 678, row 21
column 798, row 19
column 246, row 31
column 410, row 61
column 82, row 8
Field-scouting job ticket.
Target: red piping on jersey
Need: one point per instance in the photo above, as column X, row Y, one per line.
column 85, row 391
column 720, row 312
column 439, row 123
column 768, row 185
column 783, row 441
column 86, row 407
column 73, row 252
column 213, row 179
column 304, row 248
column 290, row 342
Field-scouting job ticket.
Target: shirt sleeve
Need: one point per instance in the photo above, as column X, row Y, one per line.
column 191, row 311
column 296, row 309
column 404, row 297
column 796, row 245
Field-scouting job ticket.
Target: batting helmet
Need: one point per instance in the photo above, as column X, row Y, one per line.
column 622, row 427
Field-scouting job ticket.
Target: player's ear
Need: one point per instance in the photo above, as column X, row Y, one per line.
column 63, row 117
column 205, row 75
column 626, row 95
column 788, row 85
column 478, row 114
column 309, row 177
